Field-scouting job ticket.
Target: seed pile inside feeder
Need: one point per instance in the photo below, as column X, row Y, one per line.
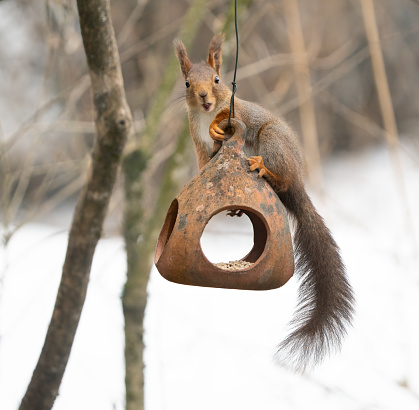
column 234, row 265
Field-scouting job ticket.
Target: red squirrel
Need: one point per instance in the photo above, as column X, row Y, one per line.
column 326, row 300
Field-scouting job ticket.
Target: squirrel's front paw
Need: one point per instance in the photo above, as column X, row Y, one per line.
column 235, row 212
column 257, row 163
column 216, row 133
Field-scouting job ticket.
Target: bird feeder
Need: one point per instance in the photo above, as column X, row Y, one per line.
column 225, row 183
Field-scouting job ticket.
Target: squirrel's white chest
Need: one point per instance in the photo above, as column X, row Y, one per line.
column 202, row 124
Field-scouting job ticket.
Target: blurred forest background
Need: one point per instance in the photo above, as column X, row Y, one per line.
column 46, row 130
column 313, row 68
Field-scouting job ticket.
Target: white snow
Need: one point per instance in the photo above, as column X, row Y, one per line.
column 213, row 348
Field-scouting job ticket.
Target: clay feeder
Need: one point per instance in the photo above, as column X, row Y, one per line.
column 225, row 183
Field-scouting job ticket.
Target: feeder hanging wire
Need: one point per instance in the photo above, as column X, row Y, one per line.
column 231, row 113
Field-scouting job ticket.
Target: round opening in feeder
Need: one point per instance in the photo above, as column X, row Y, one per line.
column 167, row 229
column 234, row 239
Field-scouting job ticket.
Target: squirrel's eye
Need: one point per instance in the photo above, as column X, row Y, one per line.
column 187, row 84
column 216, row 79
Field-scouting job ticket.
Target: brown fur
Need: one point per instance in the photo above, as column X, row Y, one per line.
column 326, row 299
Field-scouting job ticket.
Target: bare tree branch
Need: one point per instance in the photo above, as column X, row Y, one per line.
column 113, row 123
column 303, row 82
column 140, row 235
column 386, row 106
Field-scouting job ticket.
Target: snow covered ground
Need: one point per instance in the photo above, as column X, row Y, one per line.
column 213, row 349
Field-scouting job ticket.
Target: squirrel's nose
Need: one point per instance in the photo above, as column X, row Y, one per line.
column 203, row 94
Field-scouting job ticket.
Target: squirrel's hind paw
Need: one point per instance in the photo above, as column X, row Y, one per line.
column 256, row 163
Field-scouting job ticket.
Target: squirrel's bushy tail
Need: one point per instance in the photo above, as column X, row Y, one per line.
column 326, row 301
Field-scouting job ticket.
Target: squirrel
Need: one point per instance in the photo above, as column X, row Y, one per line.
column 325, row 299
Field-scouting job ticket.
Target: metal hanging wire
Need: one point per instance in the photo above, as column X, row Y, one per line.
column 231, row 113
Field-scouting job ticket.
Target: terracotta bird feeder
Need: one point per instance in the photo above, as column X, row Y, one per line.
column 225, row 183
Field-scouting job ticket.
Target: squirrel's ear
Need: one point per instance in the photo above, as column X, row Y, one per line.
column 185, row 63
column 215, row 55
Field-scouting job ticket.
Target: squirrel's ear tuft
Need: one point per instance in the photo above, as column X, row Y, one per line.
column 215, row 55
column 185, row 63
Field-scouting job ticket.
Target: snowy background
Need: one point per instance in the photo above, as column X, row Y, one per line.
column 213, row 349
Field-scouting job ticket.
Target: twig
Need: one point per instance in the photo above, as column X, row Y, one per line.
column 124, row 34
column 264, row 64
column 326, row 81
column 23, row 181
column 303, row 82
column 352, row 116
column 70, row 95
column 69, row 189
column 380, row 77
column 147, row 42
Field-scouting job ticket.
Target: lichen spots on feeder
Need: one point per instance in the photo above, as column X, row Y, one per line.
column 268, row 209
column 183, row 221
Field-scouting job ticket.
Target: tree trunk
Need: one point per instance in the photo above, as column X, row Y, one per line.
column 113, row 123
column 140, row 236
